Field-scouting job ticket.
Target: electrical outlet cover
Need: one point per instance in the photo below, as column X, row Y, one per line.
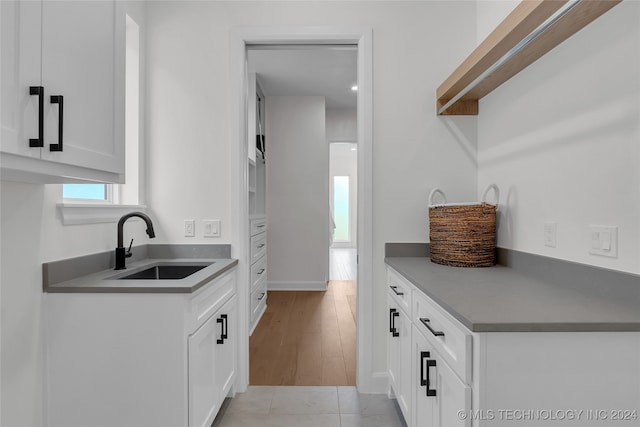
column 603, row 240
column 211, row 228
column 550, row 234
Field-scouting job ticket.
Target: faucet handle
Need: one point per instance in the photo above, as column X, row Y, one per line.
column 129, row 253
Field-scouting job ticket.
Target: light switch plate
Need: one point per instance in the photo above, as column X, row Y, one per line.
column 603, row 240
column 189, row 228
column 211, row 228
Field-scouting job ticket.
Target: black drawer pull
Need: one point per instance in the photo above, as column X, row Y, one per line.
column 261, row 271
column 395, row 289
column 393, row 313
column 261, row 226
column 58, row 99
column 38, row 142
column 223, row 329
column 423, row 355
column 430, row 391
column 425, row 322
column 261, row 296
column 261, row 245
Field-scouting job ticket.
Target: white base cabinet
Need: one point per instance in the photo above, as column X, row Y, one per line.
column 492, row 379
column 156, row 360
column 258, row 270
column 399, row 352
column 209, row 383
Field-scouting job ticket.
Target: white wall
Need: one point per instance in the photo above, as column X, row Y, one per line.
column 561, row 141
column 413, row 149
column 297, row 192
column 32, row 233
column 342, row 124
column 490, row 14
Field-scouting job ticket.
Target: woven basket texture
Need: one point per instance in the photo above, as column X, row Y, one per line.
column 463, row 235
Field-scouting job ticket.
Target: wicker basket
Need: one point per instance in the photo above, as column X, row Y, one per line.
column 463, row 234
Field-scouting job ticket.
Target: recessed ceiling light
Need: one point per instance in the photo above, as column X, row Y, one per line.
column 354, row 88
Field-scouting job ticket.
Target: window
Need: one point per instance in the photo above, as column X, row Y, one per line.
column 92, row 196
column 97, row 192
column 341, row 208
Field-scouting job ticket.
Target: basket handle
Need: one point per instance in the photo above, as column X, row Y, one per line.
column 496, row 193
column 433, row 193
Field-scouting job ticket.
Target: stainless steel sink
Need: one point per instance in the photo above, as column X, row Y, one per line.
column 165, row 272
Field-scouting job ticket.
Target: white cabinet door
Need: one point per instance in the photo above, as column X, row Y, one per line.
column 451, row 397
column 21, row 35
column 423, row 404
column 74, row 51
column 203, row 392
column 212, row 364
column 393, row 347
column 399, row 343
column 83, row 61
column 439, row 395
column 225, row 366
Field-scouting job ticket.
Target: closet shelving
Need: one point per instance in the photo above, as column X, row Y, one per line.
column 531, row 30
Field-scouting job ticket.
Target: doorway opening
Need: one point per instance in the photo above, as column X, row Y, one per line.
column 306, row 334
column 368, row 379
column 343, row 181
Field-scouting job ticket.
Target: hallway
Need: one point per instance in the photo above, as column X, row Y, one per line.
column 306, row 338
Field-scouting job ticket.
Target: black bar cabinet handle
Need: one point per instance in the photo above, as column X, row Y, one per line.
column 425, row 322
column 262, row 294
column 391, row 327
column 223, row 329
column 261, row 271
column 39, row 142
column 261, row 245
column 395, row 289
column 225, row 335
column 58, row 99
column 395, row 332
column 423, row 355
column 430, row 391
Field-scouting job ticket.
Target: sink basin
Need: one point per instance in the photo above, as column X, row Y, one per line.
column 165, row 272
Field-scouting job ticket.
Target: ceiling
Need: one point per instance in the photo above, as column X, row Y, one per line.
column 328, row 71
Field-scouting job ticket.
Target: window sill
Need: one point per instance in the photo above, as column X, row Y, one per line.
column 92, row 213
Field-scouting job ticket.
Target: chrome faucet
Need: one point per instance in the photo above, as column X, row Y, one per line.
column 121, row 253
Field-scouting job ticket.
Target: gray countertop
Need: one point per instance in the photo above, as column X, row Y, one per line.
column 95, row 274
column 107, row 281
column 504, row 299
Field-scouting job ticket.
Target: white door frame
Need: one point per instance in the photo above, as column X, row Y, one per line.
column 366, row 379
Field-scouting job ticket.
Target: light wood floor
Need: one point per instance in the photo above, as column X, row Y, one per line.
column 306, row 338
column 342, row 264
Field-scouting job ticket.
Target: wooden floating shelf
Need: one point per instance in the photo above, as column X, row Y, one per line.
column 528, row 16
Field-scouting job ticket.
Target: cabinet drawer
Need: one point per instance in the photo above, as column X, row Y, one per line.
column 447, row 335
column 258, row 271
column 258, row 246
column 258, row 299
column 211, row 297
column 258, row 226
column 400, row 289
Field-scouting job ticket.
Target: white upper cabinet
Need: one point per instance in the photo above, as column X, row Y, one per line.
column 75, row 52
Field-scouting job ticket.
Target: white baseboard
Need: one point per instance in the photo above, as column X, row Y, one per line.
column 297, row 286
column 377, row 383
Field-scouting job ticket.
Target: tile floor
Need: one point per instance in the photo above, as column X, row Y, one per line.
column 273, row 406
